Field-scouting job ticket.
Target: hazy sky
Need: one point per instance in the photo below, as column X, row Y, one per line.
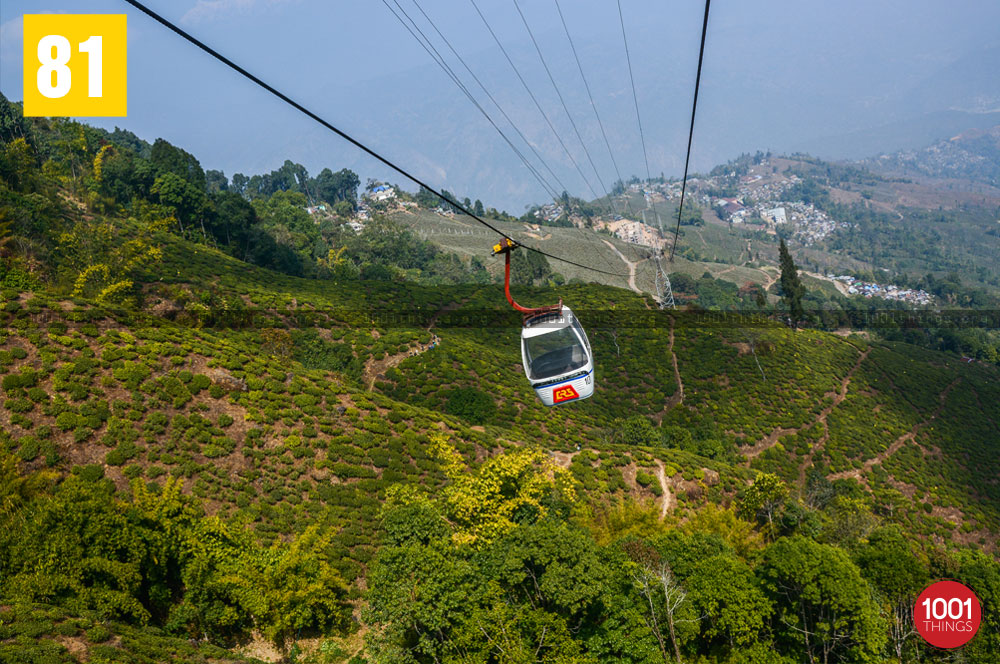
column 807, row 67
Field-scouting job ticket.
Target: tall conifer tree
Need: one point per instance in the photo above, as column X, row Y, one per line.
column 792, row 289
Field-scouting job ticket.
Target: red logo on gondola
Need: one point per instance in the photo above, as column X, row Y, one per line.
column 564, row 394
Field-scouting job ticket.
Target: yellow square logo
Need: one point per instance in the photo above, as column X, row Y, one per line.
column 74, row 64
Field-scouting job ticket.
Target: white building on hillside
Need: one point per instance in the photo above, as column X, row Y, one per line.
column 776, row 215
column 383, row 193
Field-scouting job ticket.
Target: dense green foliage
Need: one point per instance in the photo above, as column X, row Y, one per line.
column 262, row 219
column 543, row 588
column 157, row 560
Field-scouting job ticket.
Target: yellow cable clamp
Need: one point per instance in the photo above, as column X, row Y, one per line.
column 505, row 244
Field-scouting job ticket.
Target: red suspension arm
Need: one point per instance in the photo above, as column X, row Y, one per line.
column 506, row 286
column 527, row 311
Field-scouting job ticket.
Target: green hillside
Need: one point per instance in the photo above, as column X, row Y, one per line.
column 209, row 460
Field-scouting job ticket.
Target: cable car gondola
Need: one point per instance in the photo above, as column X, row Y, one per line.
column 555, row 352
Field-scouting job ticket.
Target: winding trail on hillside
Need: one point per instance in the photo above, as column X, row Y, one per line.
column 669, row 501
column 700, row 237
column 753, row 451
column 838, row 399
column 910, row 435
column 726, row 271
column 771, row 279
column 677, row 398
column 375, row 368
column 630, row 264
column 563, row 459
column 677, row 371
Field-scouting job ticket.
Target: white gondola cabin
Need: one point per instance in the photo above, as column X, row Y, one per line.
column 557, row 357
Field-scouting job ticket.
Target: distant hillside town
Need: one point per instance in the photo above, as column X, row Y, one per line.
column 759, row 203
column 764, row 196
column 884, row 291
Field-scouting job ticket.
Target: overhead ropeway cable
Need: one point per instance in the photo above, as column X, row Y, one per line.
column 664, row 291
column 694, row 110
column 569, row 115
column 454, row 77
column 562, row 101
column 347, row 137
column 439, row 59
column 597, row 115
column 590, row 95
column 441, row 62
column 432, row 51
column 534, row 99
column 486, row 91
column 635, row 98
column 417, row 33
column 661, row 273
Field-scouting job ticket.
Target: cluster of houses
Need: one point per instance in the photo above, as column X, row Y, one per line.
column 663, row 191
column 672, row 190
column 550, row 212
column 730, row 209
column 381, row 195
column 752, row 190
column 363, row 213
column 811, row 224
column 761, row 204
column 884, row 291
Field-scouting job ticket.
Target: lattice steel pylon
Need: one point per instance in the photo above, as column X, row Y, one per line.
column 664, row 292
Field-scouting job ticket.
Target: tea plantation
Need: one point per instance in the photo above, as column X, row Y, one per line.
column 218, row 461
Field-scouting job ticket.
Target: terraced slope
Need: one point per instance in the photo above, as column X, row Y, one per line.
column 288, row 419
column 307, row 417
